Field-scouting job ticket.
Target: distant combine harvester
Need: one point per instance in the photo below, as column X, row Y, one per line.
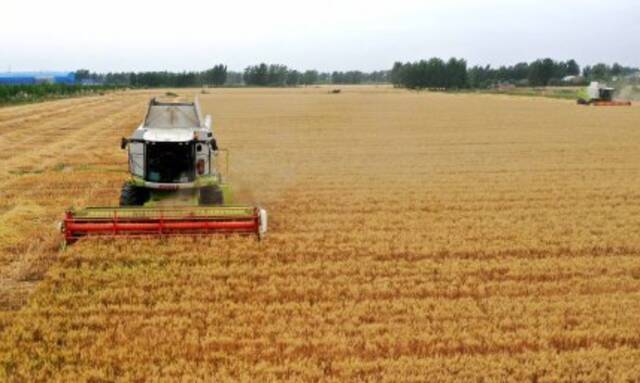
column 34, row 78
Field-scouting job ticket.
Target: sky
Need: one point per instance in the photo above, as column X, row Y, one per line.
column 139, row 35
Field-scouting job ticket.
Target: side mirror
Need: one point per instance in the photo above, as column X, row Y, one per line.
column 208, row 121
column 124, row 143
column 213, row 145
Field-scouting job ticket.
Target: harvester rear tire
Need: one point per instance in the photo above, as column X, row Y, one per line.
column 211, row 195
column 132, row 195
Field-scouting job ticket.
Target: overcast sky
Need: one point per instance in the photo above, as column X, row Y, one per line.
column 327, row 35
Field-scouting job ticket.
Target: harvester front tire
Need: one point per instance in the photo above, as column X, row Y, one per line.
column 211, row 195
column 131, row 195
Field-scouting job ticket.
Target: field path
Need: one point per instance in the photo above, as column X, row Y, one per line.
column 413, row 236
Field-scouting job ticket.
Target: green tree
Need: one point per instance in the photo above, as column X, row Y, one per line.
column 616, row 69
column 573, row 69
column 256, row 75
column 82, row 74
column 541, row 72
column 277, row 75
column 293, row 78
column 455, row 73
column 216, row 76
column 600, row 71
column 310, row 77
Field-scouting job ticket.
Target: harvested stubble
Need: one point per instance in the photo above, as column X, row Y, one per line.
column 414, row 236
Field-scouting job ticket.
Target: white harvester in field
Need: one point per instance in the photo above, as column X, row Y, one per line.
column 599, row 94
column 174, row 186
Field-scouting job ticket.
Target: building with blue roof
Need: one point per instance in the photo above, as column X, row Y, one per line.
column 31, row 78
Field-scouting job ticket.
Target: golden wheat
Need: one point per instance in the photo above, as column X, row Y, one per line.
column 414, row 237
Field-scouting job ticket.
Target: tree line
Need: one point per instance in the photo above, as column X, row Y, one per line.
column 434, row 73
column 255, row 75
column 280, row 75
column 215, row 76
column 454, row 74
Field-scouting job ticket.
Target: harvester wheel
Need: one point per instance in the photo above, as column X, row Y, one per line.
column 211, row 195
column 131, row 195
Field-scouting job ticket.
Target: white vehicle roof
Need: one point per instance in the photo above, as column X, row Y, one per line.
column 172, row 116
column 173, row 122
column 597, row 85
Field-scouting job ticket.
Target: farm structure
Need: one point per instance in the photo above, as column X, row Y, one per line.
column 32, row 78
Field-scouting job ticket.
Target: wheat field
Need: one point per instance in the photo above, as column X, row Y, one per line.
column 413, row 237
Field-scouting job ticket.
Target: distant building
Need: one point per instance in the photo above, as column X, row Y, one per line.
column 17, row 80
column 573, row 80
column 30, row 78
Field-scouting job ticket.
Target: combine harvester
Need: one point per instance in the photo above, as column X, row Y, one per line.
column 601, row 95
column 174, row 189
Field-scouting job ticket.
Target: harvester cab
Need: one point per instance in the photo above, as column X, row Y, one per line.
column 173, row 150
column 599, row 92
column 174, row 188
